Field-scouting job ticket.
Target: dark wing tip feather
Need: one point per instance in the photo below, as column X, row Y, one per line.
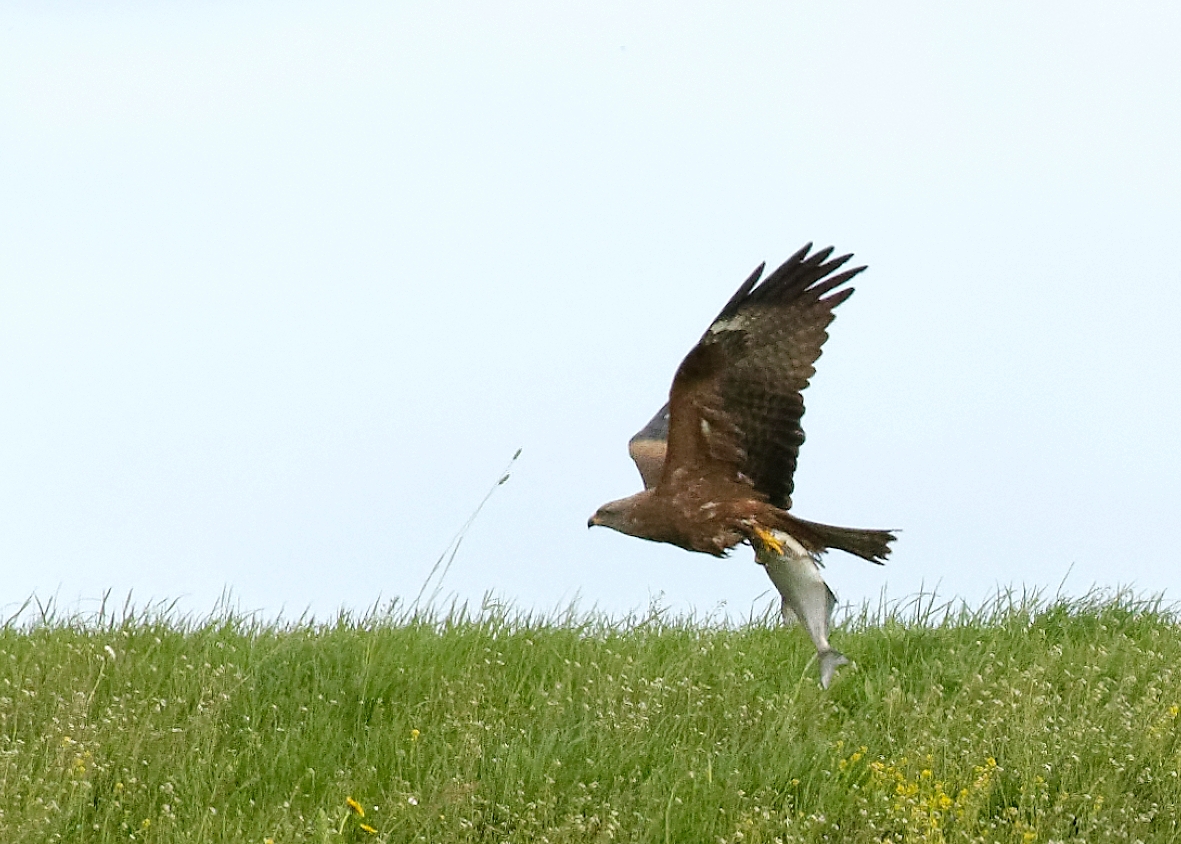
column 834, row 264
column 741, row 293
column 817, row 290
column 821, row 256
column 799, row 255
column 836, row 298
column 798, row 275
column 847, row 274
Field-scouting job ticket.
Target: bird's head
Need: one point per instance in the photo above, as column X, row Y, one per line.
column 619, row 515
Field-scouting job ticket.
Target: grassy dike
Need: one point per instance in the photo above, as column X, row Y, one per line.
column 1021, row 722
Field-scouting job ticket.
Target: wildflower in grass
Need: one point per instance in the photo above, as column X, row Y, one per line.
column 355, row 806
column 923, row 804
column 414, row 734
column 367, row 828
column 412, row 800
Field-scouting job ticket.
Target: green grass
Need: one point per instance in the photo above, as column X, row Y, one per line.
column 1023, row 721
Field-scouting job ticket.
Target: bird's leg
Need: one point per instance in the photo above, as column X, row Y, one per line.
column 768, row 539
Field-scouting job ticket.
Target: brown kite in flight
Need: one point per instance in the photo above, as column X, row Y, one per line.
column 717, row 461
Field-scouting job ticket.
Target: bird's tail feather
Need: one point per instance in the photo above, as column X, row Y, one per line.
column 868, row 544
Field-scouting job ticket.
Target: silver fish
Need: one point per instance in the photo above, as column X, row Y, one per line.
column 806, row 598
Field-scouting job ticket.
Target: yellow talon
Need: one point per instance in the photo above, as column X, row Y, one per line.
column 768, row 539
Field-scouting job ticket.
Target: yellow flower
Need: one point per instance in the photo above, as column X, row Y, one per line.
column 368, row 829
column 414, row 734
column 355, row 806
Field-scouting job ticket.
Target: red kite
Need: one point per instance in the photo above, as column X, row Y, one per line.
column 723, row 472
column 718, row 460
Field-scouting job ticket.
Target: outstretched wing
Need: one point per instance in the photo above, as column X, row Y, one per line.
column 735, row 405
column 648, row 446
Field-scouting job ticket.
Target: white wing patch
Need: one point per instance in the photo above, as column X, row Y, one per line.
column 734, row 323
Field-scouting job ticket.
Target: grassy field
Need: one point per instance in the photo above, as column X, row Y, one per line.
column 1021, row 722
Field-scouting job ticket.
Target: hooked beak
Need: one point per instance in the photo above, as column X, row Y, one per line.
column 593, row 520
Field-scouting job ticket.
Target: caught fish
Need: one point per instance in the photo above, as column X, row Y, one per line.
column 806, row 597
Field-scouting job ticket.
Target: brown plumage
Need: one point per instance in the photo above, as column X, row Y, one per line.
column 718, row 460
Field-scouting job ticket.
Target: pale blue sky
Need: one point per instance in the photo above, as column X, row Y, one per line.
column 284, row 285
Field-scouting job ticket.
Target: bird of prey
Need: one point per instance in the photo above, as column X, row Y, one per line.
column 718, row 460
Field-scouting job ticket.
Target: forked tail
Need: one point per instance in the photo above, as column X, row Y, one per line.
column 872, row 545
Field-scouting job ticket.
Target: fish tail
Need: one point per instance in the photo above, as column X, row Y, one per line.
column 830, row 660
